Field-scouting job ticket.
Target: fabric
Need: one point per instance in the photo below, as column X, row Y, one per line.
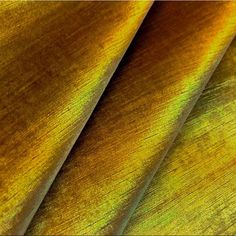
column 194, row 192
column 56, row 59
column 162, row 75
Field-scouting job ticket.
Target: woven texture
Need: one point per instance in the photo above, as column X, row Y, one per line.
column 56, row 60
column 194, row 192
column 137, row 119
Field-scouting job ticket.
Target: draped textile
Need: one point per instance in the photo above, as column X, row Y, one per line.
column 67, row 169
column 137, row 119
column 56, row 60
column 194, row 191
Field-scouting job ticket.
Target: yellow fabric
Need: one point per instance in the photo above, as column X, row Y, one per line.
column 56, row 58
column 194, row 191
column 163, row 73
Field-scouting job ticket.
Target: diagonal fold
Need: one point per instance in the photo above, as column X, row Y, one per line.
column 56, row 59
column 165, row 70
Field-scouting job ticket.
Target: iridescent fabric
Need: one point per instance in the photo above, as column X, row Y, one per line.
column 56, row 60
column 137, row 119
column 194, row 192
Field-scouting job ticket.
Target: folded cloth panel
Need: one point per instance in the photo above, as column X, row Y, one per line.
column 194, row 192
column 163, row 73
column 56, row 59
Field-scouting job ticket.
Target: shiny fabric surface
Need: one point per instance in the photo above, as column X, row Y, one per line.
column 148, row 99
column 194, row 192
column 56, row 59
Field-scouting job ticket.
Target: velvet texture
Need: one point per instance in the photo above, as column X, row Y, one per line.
column 137, row 119
column 56, row 60
column 194, row 192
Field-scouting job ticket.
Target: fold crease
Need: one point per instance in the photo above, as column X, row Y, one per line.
column 56, row 60
column 138, row 117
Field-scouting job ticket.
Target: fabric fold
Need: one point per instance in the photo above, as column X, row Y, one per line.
column 163, row 73
column 56, row 59
column 194, row 190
